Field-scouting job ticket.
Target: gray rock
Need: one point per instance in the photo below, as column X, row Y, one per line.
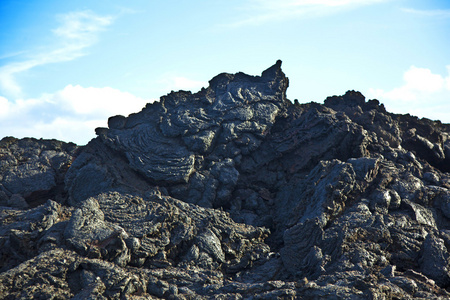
column 92, row 174
column 421, row 214
column 4, row 199
column 126, row 229
column 22, row 231
column 88, row 233
column 380, row 201
column 430, row 177
column 44, row 276
column 389, row 271
column 443, row 200
column 209, row 243
column 117, row 122
column 17, row 201
column 434, row 261
column 232, row 193
column 408, row 285
column 34, row 169
column 300, row 253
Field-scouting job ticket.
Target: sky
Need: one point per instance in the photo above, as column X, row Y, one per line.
column 66, row 66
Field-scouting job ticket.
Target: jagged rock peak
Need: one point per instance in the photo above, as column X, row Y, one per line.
column 226, row 90
column 163, row 141
column 273, row 77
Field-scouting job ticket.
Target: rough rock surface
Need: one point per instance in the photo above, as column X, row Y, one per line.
column 32, row 171
column 232, row 192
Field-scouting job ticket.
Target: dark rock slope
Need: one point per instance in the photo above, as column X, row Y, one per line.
column 232, row 193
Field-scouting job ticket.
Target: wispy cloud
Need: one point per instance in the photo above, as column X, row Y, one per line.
column 257, row 12
column 81, row 28
column 9, row 55
column 78, row 31
column 423, row 93
column 434, row 13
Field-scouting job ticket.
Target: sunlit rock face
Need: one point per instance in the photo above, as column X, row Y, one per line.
column 232, row 192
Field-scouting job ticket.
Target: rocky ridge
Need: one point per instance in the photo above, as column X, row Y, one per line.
column 233, row 192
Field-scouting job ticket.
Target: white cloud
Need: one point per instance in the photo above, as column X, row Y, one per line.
column 423, row 94
column 97, row 101
column 78, row 31
column 4, row 106
column 71, row 114
column 262, row 11
column 421, row 79
column 447, row 80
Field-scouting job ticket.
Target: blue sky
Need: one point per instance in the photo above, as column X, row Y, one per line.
column 66, row 66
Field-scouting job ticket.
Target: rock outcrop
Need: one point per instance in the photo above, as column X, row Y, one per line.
column 233, row 192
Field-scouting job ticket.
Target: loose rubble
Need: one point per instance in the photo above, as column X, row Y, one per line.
column 233, row 192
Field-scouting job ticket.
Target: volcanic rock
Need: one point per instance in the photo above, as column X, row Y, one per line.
column 232, row 192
